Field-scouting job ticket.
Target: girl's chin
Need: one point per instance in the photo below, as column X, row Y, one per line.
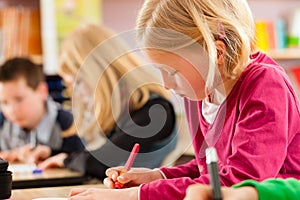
column 192, row 98
column 181, row 95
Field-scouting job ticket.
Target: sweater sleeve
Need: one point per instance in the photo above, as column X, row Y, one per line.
column 121, row 140
column 71, row 142
column 275, row 188
column 169, row 188
column 189, row 169
column 174, row 187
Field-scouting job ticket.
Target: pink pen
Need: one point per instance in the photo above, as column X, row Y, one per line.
column 128, row 164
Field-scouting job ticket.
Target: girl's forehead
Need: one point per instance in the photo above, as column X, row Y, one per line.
column 164, row 57
column 158, row 53
column 175, row 60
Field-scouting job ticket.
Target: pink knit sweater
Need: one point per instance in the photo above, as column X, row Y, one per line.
column 256, row 133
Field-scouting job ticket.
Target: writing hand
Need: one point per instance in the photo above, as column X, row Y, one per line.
column 133, row 177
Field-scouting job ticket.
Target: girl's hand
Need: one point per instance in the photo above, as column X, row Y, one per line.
column 203, row 192
column 98, row 194
column 133, row 177
column 54, row 161
column 39, row 153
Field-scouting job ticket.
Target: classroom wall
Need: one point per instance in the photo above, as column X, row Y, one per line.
column 272, row 9
column 120, row 15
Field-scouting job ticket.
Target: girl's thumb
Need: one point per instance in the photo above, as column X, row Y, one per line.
column 126, row 177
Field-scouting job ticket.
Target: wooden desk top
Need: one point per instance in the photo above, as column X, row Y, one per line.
column 49, row 173
column 63, row 192
column 48, row 178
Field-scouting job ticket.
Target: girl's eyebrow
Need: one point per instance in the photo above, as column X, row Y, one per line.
column 161, row 66
column 168, row 69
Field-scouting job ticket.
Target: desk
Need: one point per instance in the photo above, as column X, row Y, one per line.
column 29, row 194
column 48, row 178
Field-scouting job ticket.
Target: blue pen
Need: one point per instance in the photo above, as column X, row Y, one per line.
column 37, row 171
column 212, row 165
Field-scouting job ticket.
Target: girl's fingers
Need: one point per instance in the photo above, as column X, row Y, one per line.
column 126, row 177
column 113, row 173
column 47, row 164
column 79, row 198
column 123, row 179
column 43, row 165
column 76, row 191
column 108, row 183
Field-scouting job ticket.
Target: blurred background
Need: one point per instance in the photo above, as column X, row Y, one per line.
column 35, row 28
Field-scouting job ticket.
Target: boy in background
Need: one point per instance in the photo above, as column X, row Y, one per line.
column 32, row 126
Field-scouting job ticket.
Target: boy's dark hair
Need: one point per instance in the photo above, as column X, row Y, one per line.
column 16, row 68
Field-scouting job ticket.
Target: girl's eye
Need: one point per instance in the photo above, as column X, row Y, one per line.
column 172, row 73
column 168, row 71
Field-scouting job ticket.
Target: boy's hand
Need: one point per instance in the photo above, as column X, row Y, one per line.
column 10, row 155
column 133, row 177
column 26, row 154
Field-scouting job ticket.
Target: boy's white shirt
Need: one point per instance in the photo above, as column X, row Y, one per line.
column 45, row 130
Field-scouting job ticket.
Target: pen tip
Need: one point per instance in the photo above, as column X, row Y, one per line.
column 136, row 147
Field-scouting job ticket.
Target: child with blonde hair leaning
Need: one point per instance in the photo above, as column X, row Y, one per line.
column 237, row 100
column 114, row 98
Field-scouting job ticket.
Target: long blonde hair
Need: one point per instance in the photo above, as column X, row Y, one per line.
column 103, row 60
column 200, row 20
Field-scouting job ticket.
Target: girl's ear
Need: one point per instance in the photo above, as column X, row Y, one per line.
column 221, row 51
